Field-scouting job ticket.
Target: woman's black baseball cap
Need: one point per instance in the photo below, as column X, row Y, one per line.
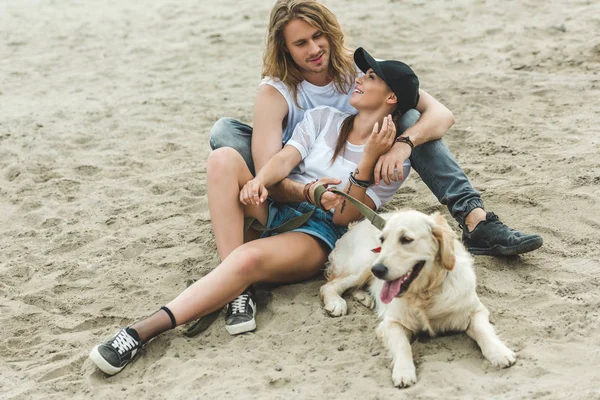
column 398, row 76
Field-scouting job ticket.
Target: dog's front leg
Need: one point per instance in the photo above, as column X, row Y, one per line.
column 396, row 339
column 332, row 291
column 481, row 331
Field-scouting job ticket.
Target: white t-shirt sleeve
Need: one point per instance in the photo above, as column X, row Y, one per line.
column 310, row 128
column 383, row 193
column 304, row 135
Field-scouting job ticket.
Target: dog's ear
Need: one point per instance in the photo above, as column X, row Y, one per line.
column 445, row 237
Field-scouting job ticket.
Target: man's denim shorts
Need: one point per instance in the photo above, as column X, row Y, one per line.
column 319, row 225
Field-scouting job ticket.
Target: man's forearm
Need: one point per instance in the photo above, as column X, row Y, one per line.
column 287, row 191
column 434, row 122
column 429, row 127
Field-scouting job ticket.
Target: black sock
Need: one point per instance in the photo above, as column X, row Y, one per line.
column 157, row 323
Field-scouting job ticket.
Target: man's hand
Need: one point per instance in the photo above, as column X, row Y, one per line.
column 253, row 192
column 391, row 163
column 329, row 200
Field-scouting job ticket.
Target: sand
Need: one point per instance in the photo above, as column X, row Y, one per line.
column 105, row 109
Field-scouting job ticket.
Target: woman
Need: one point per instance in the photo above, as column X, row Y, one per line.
column 327, row 147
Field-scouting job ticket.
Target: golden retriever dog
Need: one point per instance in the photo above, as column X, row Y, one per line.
column 421, row 280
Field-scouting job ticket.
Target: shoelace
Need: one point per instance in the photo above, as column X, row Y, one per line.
column 123, row 342
column 239, row 304
column 490, row 217
column 494, row 219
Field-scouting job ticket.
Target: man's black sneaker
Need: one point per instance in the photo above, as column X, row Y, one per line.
column 240, row 313
column 113, row 355
column 492, row 238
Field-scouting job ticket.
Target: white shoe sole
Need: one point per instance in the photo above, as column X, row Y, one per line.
column 101, row 363
column 241, row 328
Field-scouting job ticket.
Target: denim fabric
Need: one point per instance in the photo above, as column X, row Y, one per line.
column 319, row 225
column 437, row 167
column 433, row 161
column 227, row 132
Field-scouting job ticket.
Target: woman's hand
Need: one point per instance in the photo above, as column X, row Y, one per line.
column 253, row 193
column 390, row 166
column 329, row 200
column 381, row 140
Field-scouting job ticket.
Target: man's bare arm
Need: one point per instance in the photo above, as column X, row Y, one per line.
column 435, row 120
column 287, row 191
column 270, row 110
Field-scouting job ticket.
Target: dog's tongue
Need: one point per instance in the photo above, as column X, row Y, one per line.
column 390, row 290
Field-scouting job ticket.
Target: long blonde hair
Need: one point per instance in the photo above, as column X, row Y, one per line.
column 278, row 63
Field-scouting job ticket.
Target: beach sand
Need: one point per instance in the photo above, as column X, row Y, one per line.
column 105, row 110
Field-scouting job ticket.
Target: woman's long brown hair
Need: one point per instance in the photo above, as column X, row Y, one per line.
column 347, row 126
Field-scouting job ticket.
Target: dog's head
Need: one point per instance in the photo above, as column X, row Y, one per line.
column 416, row 250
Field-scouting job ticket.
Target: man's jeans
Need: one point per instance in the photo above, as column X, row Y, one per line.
column 432, row 161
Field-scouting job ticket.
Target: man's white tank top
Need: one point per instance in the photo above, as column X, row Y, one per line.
column 309, row 97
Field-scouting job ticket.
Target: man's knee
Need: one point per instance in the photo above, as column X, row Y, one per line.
column 408, row 119
column 221, row 133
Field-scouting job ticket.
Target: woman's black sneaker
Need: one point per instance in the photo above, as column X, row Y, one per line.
column 492, row 238
column 240, row 313
column 112, row 356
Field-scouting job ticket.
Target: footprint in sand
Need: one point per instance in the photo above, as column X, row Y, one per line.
column 87, row 170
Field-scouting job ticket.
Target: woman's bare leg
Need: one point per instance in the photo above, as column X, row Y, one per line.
column 227, row 173
column 243, row 264
column 258, row 261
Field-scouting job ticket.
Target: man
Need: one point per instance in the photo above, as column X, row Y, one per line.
column 306, row 65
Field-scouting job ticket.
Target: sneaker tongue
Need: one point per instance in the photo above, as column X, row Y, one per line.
column 133, row 333
column 390, row 290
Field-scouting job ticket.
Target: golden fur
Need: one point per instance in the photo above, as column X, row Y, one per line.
column 441, row 298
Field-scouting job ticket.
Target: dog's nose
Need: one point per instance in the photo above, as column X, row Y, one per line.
column 379, row 270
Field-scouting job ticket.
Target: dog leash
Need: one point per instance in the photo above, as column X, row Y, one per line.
column 375, row 219
column 290, row 225
column 296, row 222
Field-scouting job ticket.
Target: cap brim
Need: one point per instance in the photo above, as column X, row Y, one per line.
column 364, row 61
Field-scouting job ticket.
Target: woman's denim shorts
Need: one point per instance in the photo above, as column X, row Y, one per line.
column 320, row 224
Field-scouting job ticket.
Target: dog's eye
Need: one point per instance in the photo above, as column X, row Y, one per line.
column 405, row 240
column 381, row 239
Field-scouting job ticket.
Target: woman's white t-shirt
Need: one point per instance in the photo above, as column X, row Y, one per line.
column 315, row 137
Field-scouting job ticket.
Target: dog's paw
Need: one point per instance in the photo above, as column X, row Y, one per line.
column 364, row 298
column 336, row 307
column 404, row 376
column 501, row 356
